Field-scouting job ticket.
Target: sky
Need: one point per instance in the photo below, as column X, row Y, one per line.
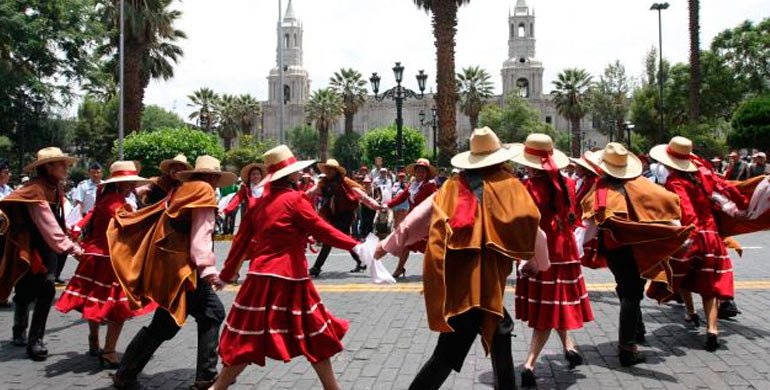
column 231, row 44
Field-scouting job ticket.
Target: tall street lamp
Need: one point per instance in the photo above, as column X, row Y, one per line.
column 660, row 7
column 399, row 94
column 434, row 125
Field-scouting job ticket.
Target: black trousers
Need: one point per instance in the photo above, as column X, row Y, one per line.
column 40, row 290
column 342, row 222
column 630, row 290
column 453, row 347
column 366, row 222
column 204, row 305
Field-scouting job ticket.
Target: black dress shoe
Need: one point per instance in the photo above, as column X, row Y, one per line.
column 20, row 339
column 37, row 351
column 359, row 268
column 692, row 319
column 574, row 358
column 528, row 378
column 727, row 309
column 712, row 342
column 630, row 358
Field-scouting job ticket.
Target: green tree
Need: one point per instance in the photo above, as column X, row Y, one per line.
column 152, row 147
column 96, row 129
column 572, row 101
column 609, row 100
column 352, row 87
column 746, row 49
column 514, row 121
column 444, row 30
column 228, row 115
column 203, row 101
column 347, row 150
column 249, row 150
column 382, row 142
column 151, row 49
column 303, row 141
column 324, row 108
column 156, row 117
column 474, row 86
column 248, row 109
column 751, row 124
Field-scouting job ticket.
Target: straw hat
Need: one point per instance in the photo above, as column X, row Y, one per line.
column 675, row 155
column 421, row 162
column 124, row 171
column 209, row 165
column 332, row 164
column 585, row 161
column 616, row 161
column 165, row 165
column 486, row 150
column 527, row 154
column 246, row 171
column 280, row 162
column 49, row 155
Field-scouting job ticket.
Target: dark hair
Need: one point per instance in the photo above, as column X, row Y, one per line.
column 94, row 166
column 4, row 165
column 41, row 171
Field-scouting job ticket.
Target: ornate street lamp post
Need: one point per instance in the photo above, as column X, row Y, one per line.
column 399, row 94
column 660, row 7
column 434, row 125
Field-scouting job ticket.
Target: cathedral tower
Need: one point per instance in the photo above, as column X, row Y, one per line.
column 296, row 81
column 521, row 72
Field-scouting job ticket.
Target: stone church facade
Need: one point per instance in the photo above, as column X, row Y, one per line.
column 521, row 73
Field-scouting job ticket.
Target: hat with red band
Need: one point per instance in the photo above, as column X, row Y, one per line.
column 676, row 155
column 124, row 171
column 280, row 162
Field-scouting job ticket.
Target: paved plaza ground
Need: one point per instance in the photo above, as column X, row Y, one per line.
column 389, row 340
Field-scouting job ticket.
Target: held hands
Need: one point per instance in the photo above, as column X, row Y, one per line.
column 527, row 269
column 215, row 282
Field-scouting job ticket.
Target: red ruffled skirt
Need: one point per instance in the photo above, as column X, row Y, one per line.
column 554, row 299
column 279, row 319
column 94, row 291
column 705, row 267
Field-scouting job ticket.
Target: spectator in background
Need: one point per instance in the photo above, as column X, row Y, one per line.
column 716, row 164
column 366, row 215
column 737, row 169
column 758, row 166
column 85, row 194
column 441, row 177
column 400, row 211
column 5, row 177
column 384, row 183
column 378, row 165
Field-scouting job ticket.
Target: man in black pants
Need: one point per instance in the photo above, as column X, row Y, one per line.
column 630, row 291
column 185, row 223
column 34, row 239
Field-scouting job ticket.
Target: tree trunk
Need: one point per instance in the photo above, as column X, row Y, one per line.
column 134, row 93
column 228, row 141
column 349, row 123
column 444, row 30
column 575, row 137
column 474, row 119
column 323, row 143
column 695, row 69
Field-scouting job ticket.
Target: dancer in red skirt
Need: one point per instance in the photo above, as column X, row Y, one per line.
column 556, row 298
column 278, row 313
column 94, row 290
column 704, row 267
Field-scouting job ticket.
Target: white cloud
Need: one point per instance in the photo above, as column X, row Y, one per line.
column 231, row 44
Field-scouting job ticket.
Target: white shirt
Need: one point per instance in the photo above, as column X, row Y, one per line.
column 256, row 191
column 386, row 187
column 85, row 194
column 5, row 190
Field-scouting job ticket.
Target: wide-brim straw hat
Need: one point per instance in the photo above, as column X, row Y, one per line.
column 585, row 161
column 422, row 162
column 49, row 155
column 124, row 171
column 332, row 164
column 675, row 155
column 280, row 162
column 165, row 165
column 616, row 161
column 209, row 165
column 246, row 171
column 526, row 153
column 485, row 150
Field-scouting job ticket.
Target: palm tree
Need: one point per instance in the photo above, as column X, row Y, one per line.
column 249, row 109
column 695, row 69
column 150, row 48
column 352, row 87
column 324, row 108
column 226, row 110
column 474, row 86
column 204, row 100
column 444, row 30
column 571, row 98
